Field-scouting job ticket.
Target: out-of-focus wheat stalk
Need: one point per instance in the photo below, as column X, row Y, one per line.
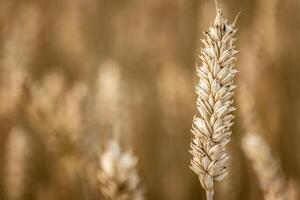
column 292, row 191
column 109, row 93
column 170, row 74
column 112, row 103
column 118, row 177
column 54, row 113
column 18, row 49
column 175, row 107
column 265, row 166
column 261, row 45
column 54, row 110
column 211, row 129
column 17, row 156
column 69, row 34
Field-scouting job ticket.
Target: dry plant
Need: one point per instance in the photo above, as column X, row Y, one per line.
column 17, row 155
column 262, row 54
column 292, row 191
column 18, row 50
column 173, row 97
column 175, row 105
column 112, row 103
column 69, row 34
column 54, row 110
column 266, row 167
column 109, row 93
column 117, row 176
column 211, row 129
column 257, row 61
column 54, row 114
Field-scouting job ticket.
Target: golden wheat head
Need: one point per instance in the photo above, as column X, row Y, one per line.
column 211, row 126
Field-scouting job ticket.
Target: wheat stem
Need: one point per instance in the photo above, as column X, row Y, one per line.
column 209, row 195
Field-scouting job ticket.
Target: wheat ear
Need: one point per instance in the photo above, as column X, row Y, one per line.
column 211, row 127
column 266, row 167
column 118, row 177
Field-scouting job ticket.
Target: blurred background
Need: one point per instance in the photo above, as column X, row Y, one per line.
column 75, row 72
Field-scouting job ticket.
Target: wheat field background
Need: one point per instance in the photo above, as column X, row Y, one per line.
column 76, row 73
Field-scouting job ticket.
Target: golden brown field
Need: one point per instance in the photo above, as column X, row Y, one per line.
column 97, row 99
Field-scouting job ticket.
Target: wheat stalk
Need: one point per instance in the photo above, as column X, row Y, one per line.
column 266, row 167
column 19, row 48
column 16, row 168
column 55, row 110
column 117, row 176
column 211, row 128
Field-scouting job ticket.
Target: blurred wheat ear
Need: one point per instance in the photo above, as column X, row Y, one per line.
column 211, row 127
column 118, row 177
column 266, row 167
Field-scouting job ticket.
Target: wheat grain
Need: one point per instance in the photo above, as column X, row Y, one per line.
column 118, row 177
column 265, row 166
column 211, row 128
